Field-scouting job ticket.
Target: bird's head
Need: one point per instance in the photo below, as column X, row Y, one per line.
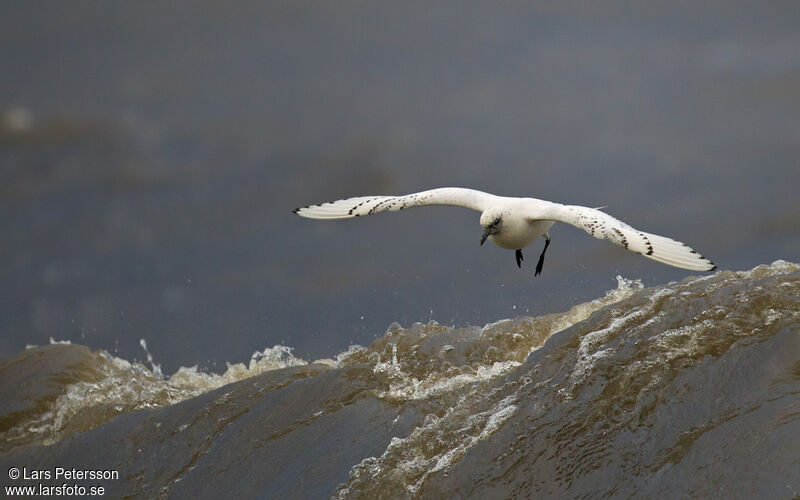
column 492, row 223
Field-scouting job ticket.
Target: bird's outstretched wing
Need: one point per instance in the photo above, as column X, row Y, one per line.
column 603, row 226
column 368, row 205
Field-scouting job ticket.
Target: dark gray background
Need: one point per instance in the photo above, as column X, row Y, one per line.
column 151, row 195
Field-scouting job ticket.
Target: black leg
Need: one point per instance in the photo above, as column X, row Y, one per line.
column 541, row 257
column 519, row 258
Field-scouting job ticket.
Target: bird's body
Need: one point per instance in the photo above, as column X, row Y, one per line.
column 515, row 223
column 518, row 231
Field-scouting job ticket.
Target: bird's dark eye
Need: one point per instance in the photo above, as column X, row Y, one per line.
column 496, row 221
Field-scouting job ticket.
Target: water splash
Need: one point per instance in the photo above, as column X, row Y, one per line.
column 118, row 386
column 154, row 368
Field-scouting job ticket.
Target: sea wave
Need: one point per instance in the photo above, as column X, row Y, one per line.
column 92, row 388
column 106, row 386
column 674, row 390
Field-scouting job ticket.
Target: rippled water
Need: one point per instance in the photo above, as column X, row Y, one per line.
column 616, row 403
column 685, row 389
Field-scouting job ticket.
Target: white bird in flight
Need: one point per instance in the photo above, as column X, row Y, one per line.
column 514, row 223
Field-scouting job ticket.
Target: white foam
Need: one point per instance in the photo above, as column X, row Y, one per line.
column 125, row 386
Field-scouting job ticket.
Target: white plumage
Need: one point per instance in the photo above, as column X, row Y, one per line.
column 514, row 223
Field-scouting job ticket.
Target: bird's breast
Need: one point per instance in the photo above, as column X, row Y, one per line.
column 519, row 234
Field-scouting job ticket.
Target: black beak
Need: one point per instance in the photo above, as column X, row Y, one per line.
column 486, row 233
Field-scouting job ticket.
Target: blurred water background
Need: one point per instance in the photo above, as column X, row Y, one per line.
column 151, row 155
